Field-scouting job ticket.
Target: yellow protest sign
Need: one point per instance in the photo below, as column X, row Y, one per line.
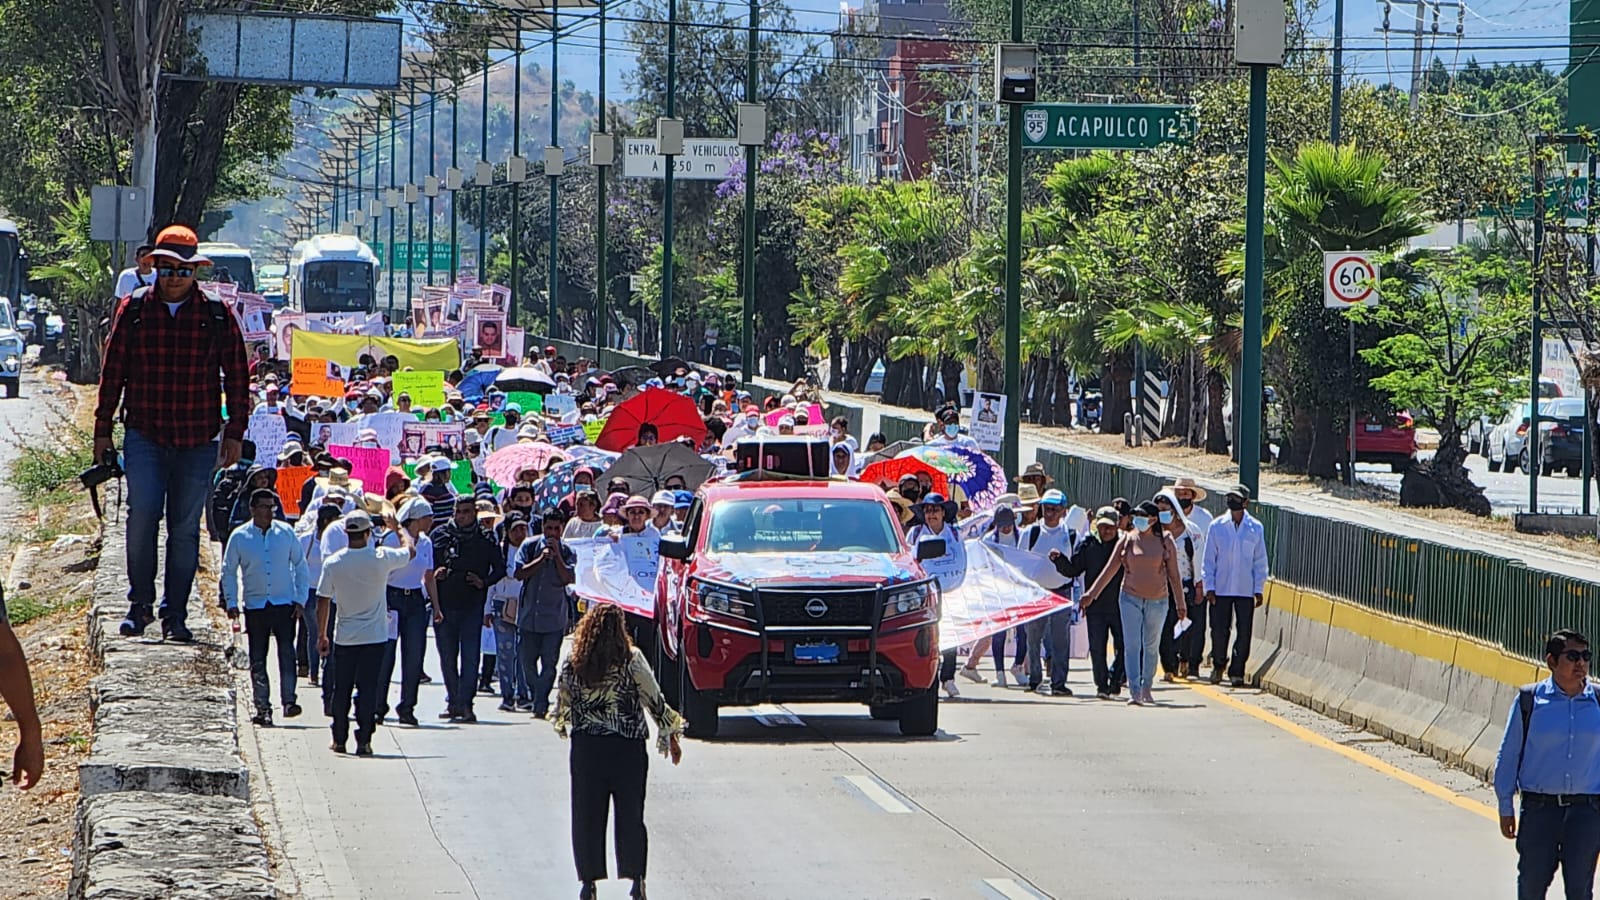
column 313, row 379
column 591, row 430
column 425, row 388
column 437, row 355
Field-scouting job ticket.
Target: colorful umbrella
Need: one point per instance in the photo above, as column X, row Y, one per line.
column 673, row 415
column 555, row 487
column 477, row 382
column 890, row 471
column 503, row 465
column 979, row 476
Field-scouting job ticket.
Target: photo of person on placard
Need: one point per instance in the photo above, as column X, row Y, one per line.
column 491, row 337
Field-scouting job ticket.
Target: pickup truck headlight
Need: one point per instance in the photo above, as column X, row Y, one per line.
column 905, row 601
column 723, row 601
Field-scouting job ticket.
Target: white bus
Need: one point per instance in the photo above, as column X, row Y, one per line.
column 232, row 257
column 333, row 273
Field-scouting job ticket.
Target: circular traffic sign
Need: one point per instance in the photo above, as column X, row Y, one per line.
column 1352, row 280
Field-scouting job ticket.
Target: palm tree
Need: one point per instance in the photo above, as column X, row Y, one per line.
column 86, row 280
column 1325, row 198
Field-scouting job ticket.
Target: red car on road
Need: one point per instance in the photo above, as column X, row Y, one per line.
column 1386, row 439
column 797, row 589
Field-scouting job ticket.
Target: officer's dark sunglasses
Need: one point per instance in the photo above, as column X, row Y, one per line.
column 175, row 271
column 1577, row 655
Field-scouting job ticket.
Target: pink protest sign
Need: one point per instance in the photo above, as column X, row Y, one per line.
column 368, row 464
column 813, row 411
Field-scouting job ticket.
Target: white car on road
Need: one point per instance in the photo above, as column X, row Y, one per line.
column 1509, row 436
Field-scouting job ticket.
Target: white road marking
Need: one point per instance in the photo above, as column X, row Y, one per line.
column 774, row 716
column 879, row 794
column 1011, row 889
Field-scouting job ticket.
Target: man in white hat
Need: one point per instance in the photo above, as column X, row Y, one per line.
column 353, row 578
column 413, row 595
column 1189, row 495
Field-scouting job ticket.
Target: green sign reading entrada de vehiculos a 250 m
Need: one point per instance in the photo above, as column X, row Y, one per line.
column 1105, row 126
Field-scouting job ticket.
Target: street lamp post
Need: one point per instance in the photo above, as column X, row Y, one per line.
column 747, row 338
column 554, row 178
column 667, row 346
column 601, row 287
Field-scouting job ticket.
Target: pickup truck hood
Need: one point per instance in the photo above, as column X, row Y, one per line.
column 779, row 569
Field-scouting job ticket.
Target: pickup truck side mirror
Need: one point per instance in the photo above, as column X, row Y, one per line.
column 927, row 548
column 674, row 547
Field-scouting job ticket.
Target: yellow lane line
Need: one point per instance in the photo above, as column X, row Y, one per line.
column 1350, row 753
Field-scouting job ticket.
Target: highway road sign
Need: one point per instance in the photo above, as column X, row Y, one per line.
column 1348, row 279
column 703, row 159
column 413, row 257
column 1105, row 126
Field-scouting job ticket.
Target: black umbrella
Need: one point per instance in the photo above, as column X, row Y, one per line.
column 646, row 469
column 890, row 452
column 632, row 375
column 524, row 379
column 666, row 367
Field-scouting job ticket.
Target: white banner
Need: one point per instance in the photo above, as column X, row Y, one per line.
column 996, row 594
column 986, row 421
column 268, row 431
column 613, row 572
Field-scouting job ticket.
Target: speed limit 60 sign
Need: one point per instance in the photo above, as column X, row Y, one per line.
column 1348, row 279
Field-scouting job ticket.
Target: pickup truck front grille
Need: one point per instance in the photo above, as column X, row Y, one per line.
column 819, row 607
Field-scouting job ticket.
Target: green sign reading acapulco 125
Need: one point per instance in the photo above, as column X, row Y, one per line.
column 1105, row 126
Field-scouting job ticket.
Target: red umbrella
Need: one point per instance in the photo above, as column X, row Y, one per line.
column 890, row 471
column 673, row 415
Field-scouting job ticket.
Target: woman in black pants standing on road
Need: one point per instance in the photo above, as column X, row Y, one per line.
column 605, row 688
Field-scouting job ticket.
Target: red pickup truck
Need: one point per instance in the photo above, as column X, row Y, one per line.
column 792, row 590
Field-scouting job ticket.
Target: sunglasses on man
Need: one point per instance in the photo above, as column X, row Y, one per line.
column 1577, row 655
column 175, row 271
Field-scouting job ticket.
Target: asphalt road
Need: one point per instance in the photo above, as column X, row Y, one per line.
column 1507, row 493
column 1226, row 794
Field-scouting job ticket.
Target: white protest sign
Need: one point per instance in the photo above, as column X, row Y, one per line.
column 603, row 576
column 559, row 405
column 268, row 431
column 987, row 420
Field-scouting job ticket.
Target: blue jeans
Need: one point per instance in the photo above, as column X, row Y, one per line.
column 540, row 651
column 507, row 662
column 1550, row 835
column 171, row 485
column 1141, row 639
column 1057, row 629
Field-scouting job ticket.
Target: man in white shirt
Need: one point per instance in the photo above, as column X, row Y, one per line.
column 411, row 594
column 354, row 578
column 142, row 274
column 1051, row 538
column 1235, row 576
column 264, row 570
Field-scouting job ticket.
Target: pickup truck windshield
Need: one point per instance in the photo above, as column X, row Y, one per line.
column 795, row 524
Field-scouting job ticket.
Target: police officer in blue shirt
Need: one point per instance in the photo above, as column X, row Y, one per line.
column 1551, row 754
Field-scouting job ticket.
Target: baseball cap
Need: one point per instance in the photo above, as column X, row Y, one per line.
column 1053, row 497
column 1240, row 491
column 441, row 465
column 933, row 498
column 178, row 243
column 663, row 498
column 414, row 509
column 682, row 499
column 357, row 522
column 1106, row 515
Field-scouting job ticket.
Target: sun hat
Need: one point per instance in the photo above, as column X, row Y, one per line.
column 177, row 243
column 1186, row 483
column 637, row 501
column 1027, row 495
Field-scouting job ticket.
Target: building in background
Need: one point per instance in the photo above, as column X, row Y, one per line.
column 888, row 125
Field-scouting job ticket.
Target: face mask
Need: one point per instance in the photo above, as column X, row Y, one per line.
column 752, row 422
column 1141, row 523
column 1166, row 517
column 952, row 430
column 1185, row 503
column 1235, row 503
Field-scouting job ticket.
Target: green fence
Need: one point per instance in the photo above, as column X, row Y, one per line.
column 899, row 428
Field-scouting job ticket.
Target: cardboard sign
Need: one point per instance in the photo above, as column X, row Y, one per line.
column 419, row 436
column 311, row 379
column 291, row 481
column 268, row 431
column 560, row 404
column 986, row 420
column 563, row 435
column 591, row 430
column 426, row 388
column 369, row 465
column 516, row 341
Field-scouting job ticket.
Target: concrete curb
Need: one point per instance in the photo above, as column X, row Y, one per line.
column 163, row 808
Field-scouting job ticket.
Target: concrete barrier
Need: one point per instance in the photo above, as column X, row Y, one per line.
column 163, row 808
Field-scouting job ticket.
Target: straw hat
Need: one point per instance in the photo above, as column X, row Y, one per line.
column 1027, row 495
column 1187, row 484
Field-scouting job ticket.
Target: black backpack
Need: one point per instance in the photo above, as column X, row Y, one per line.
column 224, row 494
column 134, row 313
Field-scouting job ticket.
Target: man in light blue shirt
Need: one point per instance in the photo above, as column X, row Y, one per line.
column 265, row 568
column 1551, row 755
column 1234, row 572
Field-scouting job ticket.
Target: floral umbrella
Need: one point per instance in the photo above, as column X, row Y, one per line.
column 978, row 475
column 503, row 465
column 890, row 471
column 557, row 484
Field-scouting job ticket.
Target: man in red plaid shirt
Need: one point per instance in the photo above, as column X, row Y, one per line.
column 171, row 355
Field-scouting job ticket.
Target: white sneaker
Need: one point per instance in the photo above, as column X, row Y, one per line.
column 1017, row 674
column 999, row 678
column 970, row 674
column 950, row 689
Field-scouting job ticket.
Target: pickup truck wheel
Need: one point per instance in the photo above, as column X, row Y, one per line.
column 666, row 675
column 919, row 716
column 700, row 710
column 884, row 713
